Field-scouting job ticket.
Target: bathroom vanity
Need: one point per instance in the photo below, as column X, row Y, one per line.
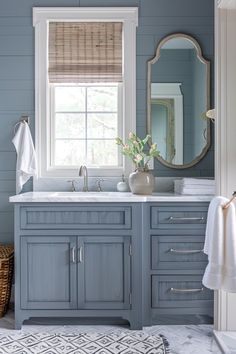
column 111, row 255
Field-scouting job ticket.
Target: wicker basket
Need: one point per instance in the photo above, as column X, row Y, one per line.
column 6, row 273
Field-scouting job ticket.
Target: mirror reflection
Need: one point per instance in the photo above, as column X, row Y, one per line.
column 178, row 101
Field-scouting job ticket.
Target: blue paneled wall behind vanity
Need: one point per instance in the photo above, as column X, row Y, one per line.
column 157, row 18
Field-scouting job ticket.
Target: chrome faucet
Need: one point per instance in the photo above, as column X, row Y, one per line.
column 84, row 172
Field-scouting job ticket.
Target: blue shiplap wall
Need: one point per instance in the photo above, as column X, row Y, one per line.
column 157, row 18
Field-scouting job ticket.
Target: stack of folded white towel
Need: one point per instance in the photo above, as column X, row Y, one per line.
column 194, row 186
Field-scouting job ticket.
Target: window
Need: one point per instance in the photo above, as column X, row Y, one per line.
column 85, row 89
column 85, row 121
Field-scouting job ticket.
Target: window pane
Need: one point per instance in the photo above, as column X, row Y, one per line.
column 69, row 99
column 69, row 152
column 102, row 99
column 102, row 125
column 102, row 153
column 70, row 125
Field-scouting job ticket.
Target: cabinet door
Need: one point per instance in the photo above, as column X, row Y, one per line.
column 48, row 272
column 104, row 272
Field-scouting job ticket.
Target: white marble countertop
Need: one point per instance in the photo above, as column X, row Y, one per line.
column 90, row 197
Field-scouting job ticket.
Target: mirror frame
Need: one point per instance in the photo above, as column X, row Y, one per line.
column 149, row 122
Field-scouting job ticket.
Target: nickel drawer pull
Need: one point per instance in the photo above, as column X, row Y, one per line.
column 80, row 254
column 181, row 218
column 174, row 290
column 73, row 254
column 172, row 250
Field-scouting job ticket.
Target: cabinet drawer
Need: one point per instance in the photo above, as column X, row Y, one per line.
column 182, row 217
column 180, row 291
column 178, row 252
column 62, row 217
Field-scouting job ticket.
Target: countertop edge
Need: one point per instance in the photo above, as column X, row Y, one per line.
column 51, row 197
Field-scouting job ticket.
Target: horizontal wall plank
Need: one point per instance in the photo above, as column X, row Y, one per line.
column 10, row 30
column 145, row 45
column 7, row 237
column 109, row 3
column 6, row 222
column 7, row 186
column 24, row 7
column 175, row 21
column 7, row 161
column 16, row 45
column 14, row 84
column 4, row 201
column 7, row 175
column 16, row 67
column 10, row 21
column 148, row 30
column 176, row 8
column 13, row 100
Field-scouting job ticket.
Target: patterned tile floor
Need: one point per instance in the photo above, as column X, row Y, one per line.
column 189, row 339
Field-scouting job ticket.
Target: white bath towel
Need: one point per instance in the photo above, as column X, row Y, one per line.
column 220, row 246
column 26, row 165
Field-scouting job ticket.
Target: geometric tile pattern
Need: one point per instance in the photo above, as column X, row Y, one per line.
column 117, row 342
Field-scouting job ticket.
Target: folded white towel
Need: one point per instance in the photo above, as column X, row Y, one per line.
column 194, row 189
column 220, row 246
column 198, row 181
column 26, row 165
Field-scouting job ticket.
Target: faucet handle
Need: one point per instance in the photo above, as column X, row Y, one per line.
column 98, row 182
column 73, row 183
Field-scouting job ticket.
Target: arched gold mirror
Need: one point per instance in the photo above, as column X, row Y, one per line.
column 178, row 97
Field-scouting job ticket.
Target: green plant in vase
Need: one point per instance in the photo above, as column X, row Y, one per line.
column 141, row 181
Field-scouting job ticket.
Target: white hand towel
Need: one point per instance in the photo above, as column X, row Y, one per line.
column 26, row 165
column 220, row 246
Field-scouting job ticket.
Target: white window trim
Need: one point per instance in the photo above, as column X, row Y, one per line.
column 41, row 17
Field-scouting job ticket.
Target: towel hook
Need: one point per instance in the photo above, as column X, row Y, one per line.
column 228, row 203
column 23, row 119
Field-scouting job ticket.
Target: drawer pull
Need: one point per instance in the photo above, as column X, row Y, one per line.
column 172, row 250
column 73, row 254
column 80, row 254
column 174, row 290
column 181, row 218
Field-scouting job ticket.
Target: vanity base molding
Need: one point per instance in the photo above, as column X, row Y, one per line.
column 71, row 317
column 135, row 262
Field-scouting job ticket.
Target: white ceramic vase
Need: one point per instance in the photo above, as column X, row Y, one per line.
column 141, row 182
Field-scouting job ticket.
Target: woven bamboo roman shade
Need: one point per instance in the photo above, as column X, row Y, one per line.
column 81, row 52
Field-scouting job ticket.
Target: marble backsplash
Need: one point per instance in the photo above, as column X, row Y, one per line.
column 162, row 184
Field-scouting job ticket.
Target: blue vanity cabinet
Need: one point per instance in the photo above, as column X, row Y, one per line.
column 142, row 262
column 78, row 260
column 174, row 264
